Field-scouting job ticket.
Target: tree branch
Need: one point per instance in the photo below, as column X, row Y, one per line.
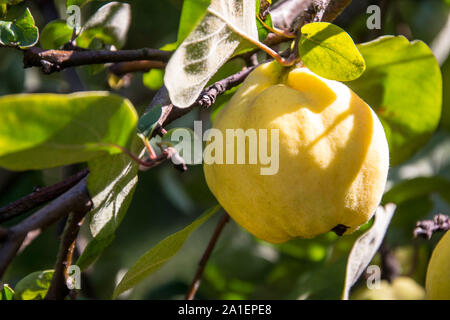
column 57, row 60
column 39, row 197
column 333, row 8
column 76, row 199
column 206, row 98
column 202, row 264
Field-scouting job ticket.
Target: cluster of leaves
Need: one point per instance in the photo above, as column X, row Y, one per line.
column 399, row 79
column 17, row 27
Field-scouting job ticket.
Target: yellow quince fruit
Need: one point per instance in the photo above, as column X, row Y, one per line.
column 437, row 282
column 329, row 156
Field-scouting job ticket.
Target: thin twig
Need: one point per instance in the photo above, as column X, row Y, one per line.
column 57, row 60
column 389, row 263
column 58, row 288
column 39, row 197
column 205, row 100
column 426, row 228
column 202, row 264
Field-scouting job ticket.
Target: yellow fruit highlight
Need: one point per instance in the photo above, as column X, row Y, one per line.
column 402, row 288
column 333, row 156
column 438, row 274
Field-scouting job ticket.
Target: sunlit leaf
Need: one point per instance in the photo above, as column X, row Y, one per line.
column 330, row 52
column 111, row 184
column 55, row 34
column 6, row 293
column 3, row 9
column 403, row 84
column 34, row 286
column 154, row 79
column 208, row 47
column 48, row 130
column 262, row 30
column 19, row 29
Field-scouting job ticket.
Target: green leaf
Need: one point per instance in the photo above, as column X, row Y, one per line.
column 366, row 246
column 34, row 286
column 55, row 34
column 7, row 36
column 159, row 254
column 111, row 184
column 154, row 79
column 19, row 29
column 212, row 42
column 48, row 130
column 415, row 188
column 191, row 14
column 262, row 30
column 407, row 214
column 414, row 202
column 148, row 121
column 330, row 52
column 403, row 84
column 109, row 24
column 12, row 74
column 231, row 67
column 6, row 293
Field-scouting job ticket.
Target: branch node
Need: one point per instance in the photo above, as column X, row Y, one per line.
column 426, row 228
